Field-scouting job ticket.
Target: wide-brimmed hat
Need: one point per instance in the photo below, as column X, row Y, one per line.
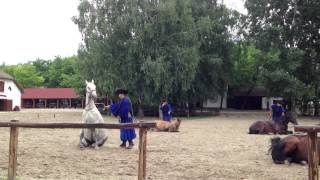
column 121, row 91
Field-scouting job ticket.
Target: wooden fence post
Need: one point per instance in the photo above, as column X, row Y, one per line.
column 13, row 149
column 313, row 156
column 142, row 153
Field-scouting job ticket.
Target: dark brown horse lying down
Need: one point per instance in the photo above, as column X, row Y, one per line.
column 293, row 148
column 172, row 126
column 278, row 127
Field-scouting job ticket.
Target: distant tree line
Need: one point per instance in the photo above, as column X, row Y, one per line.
column 59, row 72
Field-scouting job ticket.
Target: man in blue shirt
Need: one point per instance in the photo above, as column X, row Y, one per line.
column 276, row 111
column 166, row 110
column 123, row 110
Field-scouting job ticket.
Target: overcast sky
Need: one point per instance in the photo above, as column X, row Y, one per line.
column 32, row 29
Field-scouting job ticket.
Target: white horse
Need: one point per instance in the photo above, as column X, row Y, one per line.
column 94, row 137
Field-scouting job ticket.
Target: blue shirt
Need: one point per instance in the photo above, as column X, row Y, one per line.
column 166, row 111
column 122, row 109
column 276, row 111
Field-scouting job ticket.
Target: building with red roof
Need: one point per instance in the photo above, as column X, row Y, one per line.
column 50, row 98
column 10, row 93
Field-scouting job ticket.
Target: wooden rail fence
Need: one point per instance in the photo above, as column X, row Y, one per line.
column 313, row 158
column 14, row 126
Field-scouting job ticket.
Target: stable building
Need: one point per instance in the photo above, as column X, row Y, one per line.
column 216, row 102
column 10, row 93
column 51, row 98
column 250, row 99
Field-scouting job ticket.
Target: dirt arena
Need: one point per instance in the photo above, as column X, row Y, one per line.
column 205, row 148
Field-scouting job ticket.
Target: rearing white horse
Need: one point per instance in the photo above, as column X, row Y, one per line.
column 94, row 137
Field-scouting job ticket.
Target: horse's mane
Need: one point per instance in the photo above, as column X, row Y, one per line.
column 283, row 120
column 276, row 148
column 286, row 118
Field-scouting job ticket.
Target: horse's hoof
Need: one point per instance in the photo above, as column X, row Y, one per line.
column 95, row 146
column 82, row 146
column 278, row 162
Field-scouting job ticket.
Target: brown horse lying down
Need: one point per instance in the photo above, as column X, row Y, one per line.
column 293, row 148
column 278, row 127
column 172, row 126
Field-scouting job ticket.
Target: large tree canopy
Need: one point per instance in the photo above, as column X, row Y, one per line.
column 177, row 49
column 291, row 28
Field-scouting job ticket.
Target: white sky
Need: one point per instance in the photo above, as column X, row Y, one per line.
column 31, row 29
column 236, row 4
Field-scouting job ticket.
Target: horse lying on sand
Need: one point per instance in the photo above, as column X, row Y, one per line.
column 278, row 127
column 168, row 126
column 92, row 137
column 293, row 148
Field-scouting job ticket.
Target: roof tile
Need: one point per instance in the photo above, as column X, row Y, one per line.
column 49, row 93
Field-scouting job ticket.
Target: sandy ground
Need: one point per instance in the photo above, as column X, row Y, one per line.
column 205, row 148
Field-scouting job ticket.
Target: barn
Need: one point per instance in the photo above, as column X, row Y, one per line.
column 10, row 92
column 51, row 98
column 250, row 99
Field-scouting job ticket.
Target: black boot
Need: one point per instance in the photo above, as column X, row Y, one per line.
column 130, row 145
column 124, row 144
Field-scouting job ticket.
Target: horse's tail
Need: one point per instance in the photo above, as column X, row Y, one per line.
column 277, row 150
column 81, row 134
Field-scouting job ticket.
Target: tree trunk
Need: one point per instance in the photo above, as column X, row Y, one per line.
column 188, row 110
column 290, row 104
column 304, row 107
column 140, row 110
column 221, row 101
column 246, row 97
column 316, row 113
column 106, row 100
column 160, row 113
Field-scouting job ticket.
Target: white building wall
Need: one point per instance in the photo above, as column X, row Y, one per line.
column 215, row 103
column 268, row 101
column 14, row 94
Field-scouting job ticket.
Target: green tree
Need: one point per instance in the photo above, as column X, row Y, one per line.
column 64, row 72
column 214, row 22
column 25, row 74
column 146, row 46
column 42, row 67
column 290, row 27
column 156, row 48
